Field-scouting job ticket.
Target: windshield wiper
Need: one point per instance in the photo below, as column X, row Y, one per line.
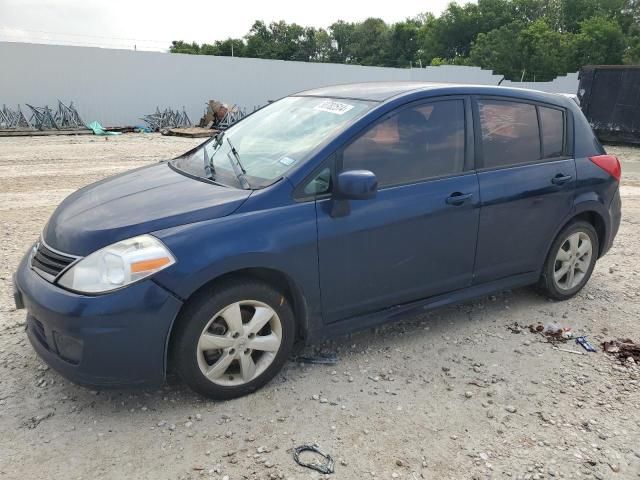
column 238, row 169
column 209, row 167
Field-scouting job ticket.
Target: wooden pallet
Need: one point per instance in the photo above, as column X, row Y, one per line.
column 43, row 133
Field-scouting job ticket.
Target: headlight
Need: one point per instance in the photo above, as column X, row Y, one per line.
column 118, row 265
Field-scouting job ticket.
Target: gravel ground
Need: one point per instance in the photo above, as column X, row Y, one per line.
column 453, row 394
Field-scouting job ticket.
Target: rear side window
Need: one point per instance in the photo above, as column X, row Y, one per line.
column 552, row 125
column 415, row 144
column 510, row 133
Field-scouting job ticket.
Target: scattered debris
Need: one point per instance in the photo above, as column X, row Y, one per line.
column 515, row 328
column 553, row 332
column 322, row 359
column 33, row 422
column 167, row 119
column 42, row 118
column 624, row 349
column 221, row 116
column 99, row 129
column 585, row 343
column 575, row 352
column 326, row 467
column 190, row 132
column 13, row 118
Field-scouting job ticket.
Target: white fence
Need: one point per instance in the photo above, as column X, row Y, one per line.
column 117, row 87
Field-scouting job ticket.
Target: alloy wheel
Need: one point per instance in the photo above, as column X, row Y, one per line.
column 239, row 343
column 572, row 261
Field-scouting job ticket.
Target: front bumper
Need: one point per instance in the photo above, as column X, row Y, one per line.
column 115, row 339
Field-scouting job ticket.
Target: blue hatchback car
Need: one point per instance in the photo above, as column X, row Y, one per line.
column 325, row 212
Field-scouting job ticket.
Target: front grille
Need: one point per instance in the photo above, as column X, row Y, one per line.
column 49, row 262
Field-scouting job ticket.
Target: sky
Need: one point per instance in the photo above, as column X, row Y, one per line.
column 152, row 25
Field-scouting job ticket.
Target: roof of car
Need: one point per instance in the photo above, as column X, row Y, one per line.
column 381, row 91
column 377, row 91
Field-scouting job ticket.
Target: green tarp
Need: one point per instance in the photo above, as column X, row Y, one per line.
column 99, row 129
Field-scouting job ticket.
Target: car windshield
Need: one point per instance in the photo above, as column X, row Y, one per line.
column 260, row 149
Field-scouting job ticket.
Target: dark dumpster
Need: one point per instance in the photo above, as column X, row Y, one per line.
column 610, row 98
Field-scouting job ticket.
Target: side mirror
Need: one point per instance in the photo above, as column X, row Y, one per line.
column 357, row 185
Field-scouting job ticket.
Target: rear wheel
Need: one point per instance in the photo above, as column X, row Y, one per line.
column 233, row 340
column 570, row 261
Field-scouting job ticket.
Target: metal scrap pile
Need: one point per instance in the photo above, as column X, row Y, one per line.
column 42, row 118
column 221, row 116
column 167, row 119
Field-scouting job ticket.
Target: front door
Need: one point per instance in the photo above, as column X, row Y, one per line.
column 417, row 238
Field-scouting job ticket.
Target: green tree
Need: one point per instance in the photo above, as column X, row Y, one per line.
column 535, row 38
column 178, row 46
column 496, row 50
column 599, row 42
column 403, row 43
column 370, row 42
column 342, row 34
column 632, row 54
column 519, row 51
column 544, row 52
column 324, row 47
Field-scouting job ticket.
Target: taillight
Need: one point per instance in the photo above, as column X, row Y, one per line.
column 609, row 163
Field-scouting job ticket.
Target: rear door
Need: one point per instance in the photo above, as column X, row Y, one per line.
column 527, row 179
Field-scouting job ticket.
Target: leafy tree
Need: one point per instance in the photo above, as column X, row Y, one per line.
column 403, row 43
column 343, row 34
column 495, row 50
column 370, row 42
column 178, row 46
column 632, row 54
column 532, row 52
column 600, row 41
column 530, row 39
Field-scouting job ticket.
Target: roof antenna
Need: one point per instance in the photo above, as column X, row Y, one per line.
column 501, row 80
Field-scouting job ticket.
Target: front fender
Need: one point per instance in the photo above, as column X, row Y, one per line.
column 282, row 239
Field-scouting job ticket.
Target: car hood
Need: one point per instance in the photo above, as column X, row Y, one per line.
column 136, row 202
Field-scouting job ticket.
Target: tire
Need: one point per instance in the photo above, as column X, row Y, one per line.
column 214, row 334
column 553, row 283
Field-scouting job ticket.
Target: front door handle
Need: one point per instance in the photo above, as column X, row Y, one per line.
column 561, row 179
column 458, row 198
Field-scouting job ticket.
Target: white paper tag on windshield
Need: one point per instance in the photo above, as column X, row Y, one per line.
column 332, row 106
column 288, row 161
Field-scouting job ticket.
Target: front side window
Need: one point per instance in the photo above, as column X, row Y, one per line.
column 415, row 144
column 510, row 133
column 260, row 149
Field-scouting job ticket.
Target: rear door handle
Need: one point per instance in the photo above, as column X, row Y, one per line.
column 458, row 198
column 561, row 179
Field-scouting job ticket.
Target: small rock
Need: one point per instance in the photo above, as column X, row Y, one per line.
column 614, row 467
column 468, row 394
column 511, row 409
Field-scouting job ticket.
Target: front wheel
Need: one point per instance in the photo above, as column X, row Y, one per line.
column 233, row 340
column 570, row 261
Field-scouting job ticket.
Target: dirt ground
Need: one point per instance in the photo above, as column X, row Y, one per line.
column 453, row 394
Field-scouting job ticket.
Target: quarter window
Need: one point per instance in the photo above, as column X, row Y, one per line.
column 552, row 125
column 414, row 144
column 510, row 133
